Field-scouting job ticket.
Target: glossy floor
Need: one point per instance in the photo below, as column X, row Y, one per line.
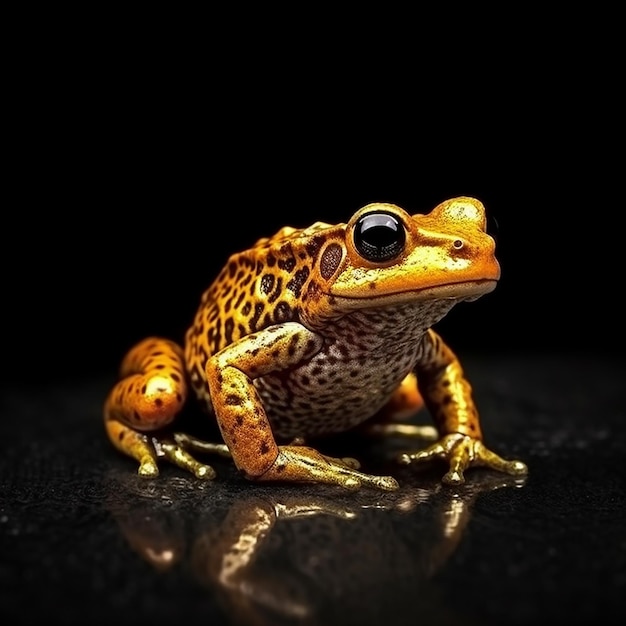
column 84, row 540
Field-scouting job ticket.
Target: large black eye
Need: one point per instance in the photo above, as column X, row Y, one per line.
column 379, row 236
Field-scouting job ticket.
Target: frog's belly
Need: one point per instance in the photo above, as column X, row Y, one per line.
column 313, row 401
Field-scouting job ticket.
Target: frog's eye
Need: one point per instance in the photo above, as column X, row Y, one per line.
column 379, row 236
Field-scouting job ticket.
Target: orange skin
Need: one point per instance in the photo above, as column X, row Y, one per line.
column 317, row 331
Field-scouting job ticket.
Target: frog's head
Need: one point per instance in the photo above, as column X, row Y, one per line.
column 389, row 257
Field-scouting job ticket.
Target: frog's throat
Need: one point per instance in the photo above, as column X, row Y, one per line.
column 469, row 290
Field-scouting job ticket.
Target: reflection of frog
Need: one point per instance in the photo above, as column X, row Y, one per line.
column 284, row 556
column 311, row 332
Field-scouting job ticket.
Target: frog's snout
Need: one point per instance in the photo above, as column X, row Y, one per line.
column 463, row 210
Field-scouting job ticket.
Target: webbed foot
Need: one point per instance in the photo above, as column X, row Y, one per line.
column 462, row 452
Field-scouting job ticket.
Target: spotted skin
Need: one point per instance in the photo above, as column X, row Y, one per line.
column 313, row 332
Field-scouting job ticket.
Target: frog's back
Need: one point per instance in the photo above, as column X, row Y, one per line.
column 257, row 288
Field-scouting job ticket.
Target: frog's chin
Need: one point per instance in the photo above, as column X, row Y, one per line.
column 468, row 291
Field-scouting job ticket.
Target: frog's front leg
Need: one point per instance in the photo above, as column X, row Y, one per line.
column 448, row 396
column 243, row 420
column 149, row 395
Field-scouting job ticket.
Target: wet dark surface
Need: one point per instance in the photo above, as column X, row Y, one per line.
column 84, row 540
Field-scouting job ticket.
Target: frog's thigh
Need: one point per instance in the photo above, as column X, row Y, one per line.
column 151, row 392
column 238, row 407
column 405, row 402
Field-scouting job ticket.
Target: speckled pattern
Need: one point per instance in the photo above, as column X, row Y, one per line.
column 312, row 332
column 366, row 356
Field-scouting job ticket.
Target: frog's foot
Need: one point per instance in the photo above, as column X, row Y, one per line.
column 177, row 453
column 303, row 464
column 461, row 452
column 189, row 442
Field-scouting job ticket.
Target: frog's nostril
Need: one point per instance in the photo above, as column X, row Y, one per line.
column 457, row 244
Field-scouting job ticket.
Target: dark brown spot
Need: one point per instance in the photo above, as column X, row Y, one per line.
column 233, row 400
column 258, row 309
column 264, row 448
column 228, row 330
column 267, row 283
column 298, row 280
column 239, row 300
column 314, row 245
column 293, row 344
column 278, row 291
column 287, row 261
column 158, row 401
column 282, row 313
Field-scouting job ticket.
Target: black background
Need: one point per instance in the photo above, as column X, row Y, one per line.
column 118, row 226
column 134, row 171
column 139, row 155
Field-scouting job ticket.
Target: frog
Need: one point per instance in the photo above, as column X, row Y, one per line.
column 313, row 332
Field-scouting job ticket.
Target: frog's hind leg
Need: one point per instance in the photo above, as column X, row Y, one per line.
column 151, row 392
column 404, row 404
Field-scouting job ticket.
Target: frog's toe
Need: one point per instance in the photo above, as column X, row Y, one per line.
column 516, row 468
column 148, row 468
column 490, row 459
column 206, row 472
column 434, row 451
column 453, row 477
column 350, row 483
column 384, row 483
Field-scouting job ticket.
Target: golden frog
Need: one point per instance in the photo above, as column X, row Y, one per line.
column 317, row 331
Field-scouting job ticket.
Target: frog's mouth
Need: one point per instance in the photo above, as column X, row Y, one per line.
column 466, row 290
